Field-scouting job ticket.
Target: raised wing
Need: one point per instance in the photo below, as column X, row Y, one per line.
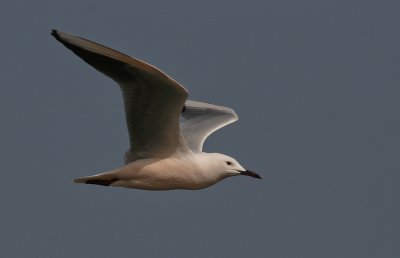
column 202, row 119
column 153, row 101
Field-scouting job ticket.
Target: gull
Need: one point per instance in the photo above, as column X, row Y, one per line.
column 165, row 153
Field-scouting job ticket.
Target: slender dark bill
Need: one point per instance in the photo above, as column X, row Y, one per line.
column 250, row 173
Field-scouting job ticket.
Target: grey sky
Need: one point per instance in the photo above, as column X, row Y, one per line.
column 316, row 86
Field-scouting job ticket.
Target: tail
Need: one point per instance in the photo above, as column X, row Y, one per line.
column 100, row 179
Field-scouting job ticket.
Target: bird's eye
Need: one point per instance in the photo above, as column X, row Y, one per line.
column 228, row 163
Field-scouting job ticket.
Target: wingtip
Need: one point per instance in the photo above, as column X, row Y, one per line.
column 56, row 34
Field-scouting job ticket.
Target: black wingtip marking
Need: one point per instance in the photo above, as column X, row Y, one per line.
column 57, row 36
column 104, row 182
column 109, row 66
column 183, row 109
column 54, row 33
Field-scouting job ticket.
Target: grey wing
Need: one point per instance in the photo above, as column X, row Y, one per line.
column 202, row 119
column 153, row 101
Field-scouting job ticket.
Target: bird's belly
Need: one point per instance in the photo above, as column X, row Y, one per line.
column 162, row 184
column 156, row 185
column 162, row 175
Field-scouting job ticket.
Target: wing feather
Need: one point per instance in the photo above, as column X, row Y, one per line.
column 153, row 101
column 202, row 119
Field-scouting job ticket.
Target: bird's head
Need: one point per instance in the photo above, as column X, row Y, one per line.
column 227, row 166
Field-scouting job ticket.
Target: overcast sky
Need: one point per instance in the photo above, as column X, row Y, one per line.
column 316, row 85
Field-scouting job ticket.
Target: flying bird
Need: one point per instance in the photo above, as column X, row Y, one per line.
column 165, row 153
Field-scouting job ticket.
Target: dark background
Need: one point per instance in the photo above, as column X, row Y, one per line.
column 316, row 86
